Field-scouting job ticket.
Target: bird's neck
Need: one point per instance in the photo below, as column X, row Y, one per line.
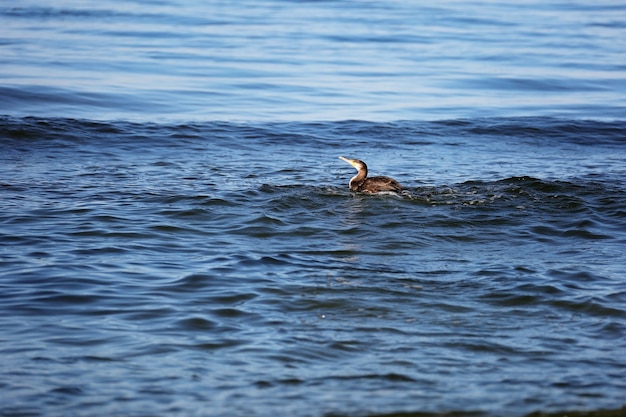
column 358, row 179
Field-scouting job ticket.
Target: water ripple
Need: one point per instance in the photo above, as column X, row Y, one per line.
column 226, row 266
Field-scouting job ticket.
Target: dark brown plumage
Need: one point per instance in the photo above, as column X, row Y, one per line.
column 362, row 184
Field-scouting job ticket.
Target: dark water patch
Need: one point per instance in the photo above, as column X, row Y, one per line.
column 582, row 413
column 584, row 132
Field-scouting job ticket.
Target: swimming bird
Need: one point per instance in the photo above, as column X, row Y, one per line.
column 362, row 184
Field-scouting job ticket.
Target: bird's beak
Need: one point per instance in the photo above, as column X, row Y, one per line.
column 350, row 161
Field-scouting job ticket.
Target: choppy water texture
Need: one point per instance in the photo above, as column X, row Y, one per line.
column 177, row 236
column 226, row 269
column 180, row 60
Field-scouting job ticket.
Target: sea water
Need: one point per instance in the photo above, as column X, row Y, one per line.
column 177, row 236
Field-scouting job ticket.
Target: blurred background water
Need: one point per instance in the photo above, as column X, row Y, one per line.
column 177, row 236
column 312, row 60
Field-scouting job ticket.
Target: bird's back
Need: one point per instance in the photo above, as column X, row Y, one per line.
column 377, row 184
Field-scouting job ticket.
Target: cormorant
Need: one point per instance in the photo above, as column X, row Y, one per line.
column 362, row 184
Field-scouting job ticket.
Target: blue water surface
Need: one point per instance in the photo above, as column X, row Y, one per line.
column 312, row 60
column 177, row 236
